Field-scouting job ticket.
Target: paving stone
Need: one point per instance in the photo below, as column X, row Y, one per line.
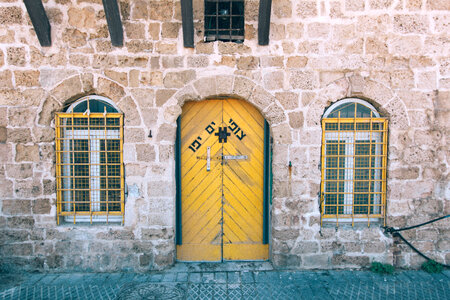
column 220, row 277
column 218, row 285
column 233, row 277
column 156, row 277
column 208, row 277
column 169, row 277
column 195, row 277
column 247, row 277
column 182, row 277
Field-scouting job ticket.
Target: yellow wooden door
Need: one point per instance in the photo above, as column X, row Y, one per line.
column 222, row 175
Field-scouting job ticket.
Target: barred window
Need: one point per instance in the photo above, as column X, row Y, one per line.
column 89, row 162
column 224, row 20
column 353, row 163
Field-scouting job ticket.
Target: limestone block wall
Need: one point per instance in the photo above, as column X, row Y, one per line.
column 392, row 53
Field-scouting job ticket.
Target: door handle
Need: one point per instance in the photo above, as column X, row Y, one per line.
column 208, row 159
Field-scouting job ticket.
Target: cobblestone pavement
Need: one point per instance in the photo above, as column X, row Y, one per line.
column 188, row 282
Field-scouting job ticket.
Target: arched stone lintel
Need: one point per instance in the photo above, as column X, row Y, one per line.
column 382, row 97
column 74, row 87
column 231, row 86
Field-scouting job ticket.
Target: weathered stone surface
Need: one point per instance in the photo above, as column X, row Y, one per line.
column 16, row 207
column 74, row 38
column 67, row 89
column 21, row 117
column 27, row 153
column 47, row 113
column 6, row 79
column 131, row 114
column 16, row 56
column 111, row 89
column 206, row 86
column 296, row 119
column 178, row 79
column 166, row 132
column 41, row 206
column 81, row 17
column 19, row 171
column 145, row 152
column 303, row 80
column 27, row 78
column 19, row 135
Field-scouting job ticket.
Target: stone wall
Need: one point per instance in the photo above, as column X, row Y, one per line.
column 393, row 53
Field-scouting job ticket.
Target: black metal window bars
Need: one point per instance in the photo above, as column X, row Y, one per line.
column 224, row 20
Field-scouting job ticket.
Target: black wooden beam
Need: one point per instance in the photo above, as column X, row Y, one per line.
column 114, row 22
column 264, row 22
column 40, row 21
column 188, row 23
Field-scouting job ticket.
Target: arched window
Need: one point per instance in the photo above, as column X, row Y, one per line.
column 353, row 163
column 89, row 162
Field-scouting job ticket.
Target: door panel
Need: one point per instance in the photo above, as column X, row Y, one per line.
column 201, row 191
column 243, row 183
column 221, row 208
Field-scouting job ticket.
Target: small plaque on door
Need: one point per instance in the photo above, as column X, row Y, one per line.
column 235, row 157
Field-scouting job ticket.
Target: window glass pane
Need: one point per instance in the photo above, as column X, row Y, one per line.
column 334, row 175
column 347, row 110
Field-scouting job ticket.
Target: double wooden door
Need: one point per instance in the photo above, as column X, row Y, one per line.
column 221, row 208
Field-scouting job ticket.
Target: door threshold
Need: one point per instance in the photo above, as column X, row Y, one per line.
column 226, row 266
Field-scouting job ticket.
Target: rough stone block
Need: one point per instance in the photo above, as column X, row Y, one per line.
column 318, row 30
column 206, row 86
column 380, row 4
column 410, row 24
column 282, row 134
column 119, row 77
column 21, row 117
column 27, row 153
column 157, row 233
column 74, row 38
column 274, row 80
column 178, row 79
column 438, row 5
column 166, row 132
column 28, row 188
column 233, row 48
column 11, row 15
column 19, row 171
column 6, row 79
column 111, row 89
column 259, row 97
column 16, row 207
column 296, row 119
column 3, row 134
column 42, row 206
column 134, row 30
column 170, row 30
column 288, row 100
column 316, row 261
column 339, row 260
column 294, row 31
column 296, row 62
column 139, row 10
column 305, row 80
column 282, row 9
column 145, row 152
column 306, row 9
column 16, row 56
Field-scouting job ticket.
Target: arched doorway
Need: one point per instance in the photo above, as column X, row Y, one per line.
column 223, row 182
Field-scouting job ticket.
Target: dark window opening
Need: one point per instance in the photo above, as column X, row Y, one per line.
column 224, row 21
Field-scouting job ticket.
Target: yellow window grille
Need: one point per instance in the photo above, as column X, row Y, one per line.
column 89, row 167
column 353, row 165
